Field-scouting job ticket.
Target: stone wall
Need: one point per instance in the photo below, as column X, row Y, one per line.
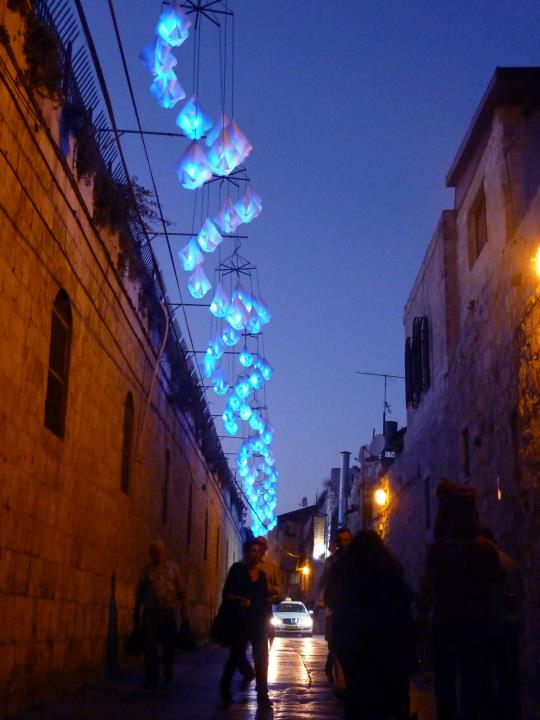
column 71, row 542
column 485, row 372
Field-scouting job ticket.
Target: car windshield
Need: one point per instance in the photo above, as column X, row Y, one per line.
column 291, row 607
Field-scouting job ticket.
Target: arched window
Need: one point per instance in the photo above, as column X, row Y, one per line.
column 127, row 444
column 165, row 491
column 58, row 376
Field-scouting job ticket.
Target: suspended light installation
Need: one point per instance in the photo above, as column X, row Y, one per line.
column 213, row 157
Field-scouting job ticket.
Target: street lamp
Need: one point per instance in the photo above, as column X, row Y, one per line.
column 381, row 497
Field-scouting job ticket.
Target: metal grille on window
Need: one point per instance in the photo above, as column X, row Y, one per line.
column 417, row 362
column 59, row 356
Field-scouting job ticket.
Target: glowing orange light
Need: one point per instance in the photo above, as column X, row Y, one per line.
column 306, row 570
column 381, row 497
column 536, row 262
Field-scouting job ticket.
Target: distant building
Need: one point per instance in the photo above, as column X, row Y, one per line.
column 472, row 350
column 107, row 442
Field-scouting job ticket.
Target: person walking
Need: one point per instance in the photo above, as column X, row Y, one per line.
column 340, row 542
column 460, row 575
column 504, row 638
column 273, row 580
column 372, row 629
column 158, row 594
column 246, row 596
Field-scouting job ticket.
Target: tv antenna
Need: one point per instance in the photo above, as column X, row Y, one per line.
column 386, row 405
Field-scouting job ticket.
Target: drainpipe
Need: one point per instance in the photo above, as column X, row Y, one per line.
column 343, row 487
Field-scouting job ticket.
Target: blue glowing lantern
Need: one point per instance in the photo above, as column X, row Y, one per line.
column 249, row 206
column 157, row 57
column 243, row 389
column 256, row 380
column 234, row 403
column 190, row 255
column 198, row 284
column 230, row 336
column 221, row 386
column 227, row 218
column 265, row 368
column 220, row 303
column 241, row 144
column 166, row 89
column 232, row 427
column 208, row 365
column 245, row 412
column 208, row 237
column 246, row 358
column 267, row 435
column 173, row 26
column 243, row 295
column 222, row 155
column 193, row 120
column 237, row 314
column 253, row 324
column 243, row 471
column 216, row 348
column 262, row 310
column 193, row 169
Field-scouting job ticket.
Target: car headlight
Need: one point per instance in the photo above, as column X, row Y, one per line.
column 305, row 622
column 275, row 621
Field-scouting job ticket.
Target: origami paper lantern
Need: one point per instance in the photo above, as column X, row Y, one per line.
column 243, row 471
column 227, row 218
column 264, row 367
column 256, row 380
column 232, row 427
column 215, row 348
column 190, row 255
column 193, row 120
column 208, row 237
column 223, row 156
column 249, row 206
column 262, row 310
column 193, row 169
column 234, row 403
column 237, row 314
column 173, row 25
column 245, row 359
column 220, row 384
column 212, row 135
column 167, row 90
column 253, row 323
column 157, row 58
column 230, row 336
column 242, row 145
column 267, row 435
column 208, row 365
column 198, row 284
column 243, row 295
column 243, row 389
column 220, row 303
column 245, row 412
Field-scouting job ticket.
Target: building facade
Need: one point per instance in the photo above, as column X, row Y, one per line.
column 472, row 338
column 107, row 443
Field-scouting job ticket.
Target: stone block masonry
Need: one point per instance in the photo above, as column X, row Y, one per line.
column 72, row 542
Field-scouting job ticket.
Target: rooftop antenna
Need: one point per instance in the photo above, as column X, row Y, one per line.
column 386, row 405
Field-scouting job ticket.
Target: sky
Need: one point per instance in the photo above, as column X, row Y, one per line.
column 355, row 111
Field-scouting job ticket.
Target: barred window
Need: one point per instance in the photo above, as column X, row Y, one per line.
column 127, row 444
column 59, row 356
column 417, row 362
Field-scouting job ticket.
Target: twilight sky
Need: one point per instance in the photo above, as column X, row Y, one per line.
column 355, row 111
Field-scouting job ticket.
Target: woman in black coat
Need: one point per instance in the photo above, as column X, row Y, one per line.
column 248, row 612
column 372, row 629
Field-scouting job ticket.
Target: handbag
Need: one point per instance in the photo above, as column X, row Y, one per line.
column 185, row 637
column 223, row 629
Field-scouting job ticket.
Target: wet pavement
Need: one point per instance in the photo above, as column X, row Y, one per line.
column 298, row 687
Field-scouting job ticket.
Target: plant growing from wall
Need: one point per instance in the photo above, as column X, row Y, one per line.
column 43, row 58
column 77, row 121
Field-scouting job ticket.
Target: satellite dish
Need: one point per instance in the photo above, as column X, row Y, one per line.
column 377, row 445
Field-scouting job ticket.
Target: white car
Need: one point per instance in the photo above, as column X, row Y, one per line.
column 291, row 617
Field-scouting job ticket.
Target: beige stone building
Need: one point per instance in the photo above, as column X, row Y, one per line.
column 107, row 442
column 472, row 356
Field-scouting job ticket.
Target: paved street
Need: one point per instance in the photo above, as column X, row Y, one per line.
column 298, row 687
